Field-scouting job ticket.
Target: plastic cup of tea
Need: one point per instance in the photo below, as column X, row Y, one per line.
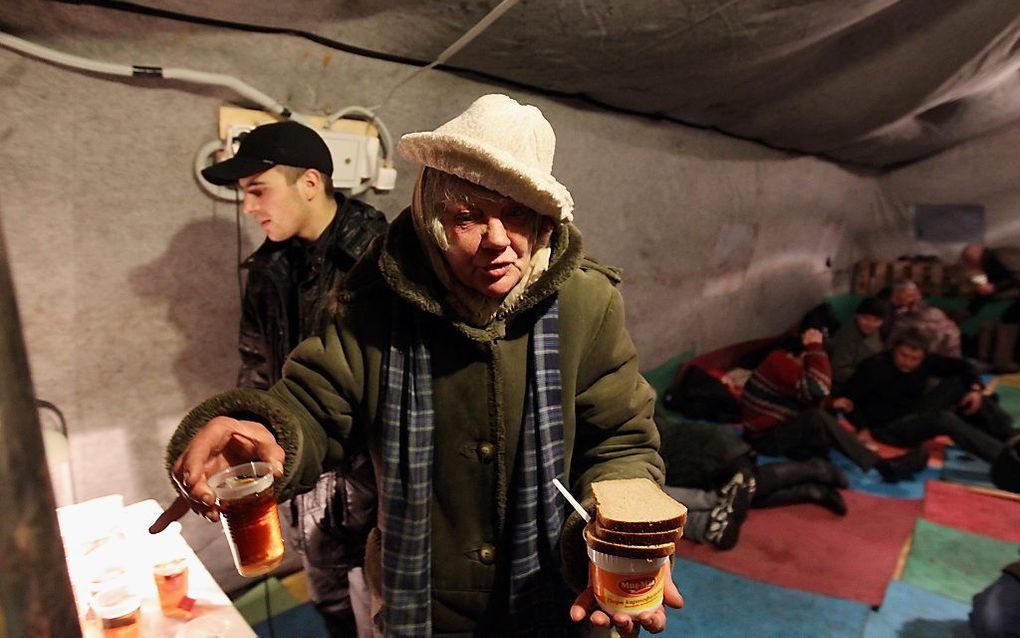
column 630, row 585
column 170, row 568
column 119, row 610
column 251, row 522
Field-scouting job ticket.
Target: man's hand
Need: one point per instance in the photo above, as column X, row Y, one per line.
column 811, row 335
column 843, row 404
column 654, row 621
column 221, row 443
column 971, row 402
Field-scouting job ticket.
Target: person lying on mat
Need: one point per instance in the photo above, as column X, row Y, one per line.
column 908, row 395
column 478, row 354
column 783, row 413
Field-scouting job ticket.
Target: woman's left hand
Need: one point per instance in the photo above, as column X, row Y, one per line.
column 654, row 621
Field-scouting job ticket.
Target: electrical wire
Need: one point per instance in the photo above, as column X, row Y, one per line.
column 452, row 50
column 237, row 226
column 269, row 611
column 200, row 77
column 136, row 70
column 130, row 7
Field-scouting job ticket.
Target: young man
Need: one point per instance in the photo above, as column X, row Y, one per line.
column 781, row 403
column 479, row 354
column 908, row 395
column 313, row 237
column 856, row 341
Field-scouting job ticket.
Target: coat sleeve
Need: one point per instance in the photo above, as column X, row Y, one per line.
column 815, row 381
column 616, row 434
column 310, row 411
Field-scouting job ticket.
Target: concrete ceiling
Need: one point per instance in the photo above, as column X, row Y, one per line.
column 872, row 83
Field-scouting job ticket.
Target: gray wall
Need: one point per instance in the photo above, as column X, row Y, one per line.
column 984, row 171
column 126, row 274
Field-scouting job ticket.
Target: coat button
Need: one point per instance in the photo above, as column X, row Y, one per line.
column 486, row 452
column 487, row 554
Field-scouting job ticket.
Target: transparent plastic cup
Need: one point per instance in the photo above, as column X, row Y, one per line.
column 251, row 522
column 170, row 568
column 119, row 610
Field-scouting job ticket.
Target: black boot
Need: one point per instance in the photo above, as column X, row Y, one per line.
column 776, row 476
column 823, row 495
column 899, row 468
column 730, row 512
column 1006, row 466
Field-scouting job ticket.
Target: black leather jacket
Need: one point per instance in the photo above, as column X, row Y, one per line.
column 286, row 294
column 286, row 300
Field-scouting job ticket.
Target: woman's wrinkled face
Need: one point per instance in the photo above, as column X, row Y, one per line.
column 491, row 239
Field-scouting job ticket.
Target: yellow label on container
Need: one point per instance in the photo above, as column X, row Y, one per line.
column 631, row 593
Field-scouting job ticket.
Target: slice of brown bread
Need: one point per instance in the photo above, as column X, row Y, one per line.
column 627, row 551
column 637, row 538
column 636, row 505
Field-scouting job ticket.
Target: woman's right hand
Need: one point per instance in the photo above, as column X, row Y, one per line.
column 221, row 443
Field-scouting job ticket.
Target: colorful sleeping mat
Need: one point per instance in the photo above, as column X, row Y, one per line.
column 905, row 561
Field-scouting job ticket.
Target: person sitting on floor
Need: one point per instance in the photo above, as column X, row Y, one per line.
column 781, row 405
column 892, row 395
column 995, row 274
column 861, row 338
column 910, row 312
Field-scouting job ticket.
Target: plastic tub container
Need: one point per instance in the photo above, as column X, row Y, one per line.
column 630, row 585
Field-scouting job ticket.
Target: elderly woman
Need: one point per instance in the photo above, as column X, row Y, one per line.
column 477, row 354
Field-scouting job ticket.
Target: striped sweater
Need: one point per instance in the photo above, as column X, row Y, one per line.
column 782, row 386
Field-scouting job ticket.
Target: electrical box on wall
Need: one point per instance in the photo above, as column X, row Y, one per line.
column 354, row 145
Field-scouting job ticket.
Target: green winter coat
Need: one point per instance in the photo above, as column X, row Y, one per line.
column 329, row 404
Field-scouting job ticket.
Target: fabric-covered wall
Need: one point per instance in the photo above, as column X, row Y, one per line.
column 126, row 271
column 983, row 171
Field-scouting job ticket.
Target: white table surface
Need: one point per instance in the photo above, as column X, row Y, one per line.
column 133, row 549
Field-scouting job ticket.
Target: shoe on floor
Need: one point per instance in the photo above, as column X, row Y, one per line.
column 730, row 512
column 900, row 468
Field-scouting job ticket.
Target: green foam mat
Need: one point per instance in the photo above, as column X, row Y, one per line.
column 1009, row 400
column 661, row 377
column 252, row 603
column 953, row 563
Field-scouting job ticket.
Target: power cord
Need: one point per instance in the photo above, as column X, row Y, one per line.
column 269, row 611
column 237, row 226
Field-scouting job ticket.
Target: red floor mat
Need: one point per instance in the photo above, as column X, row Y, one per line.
column 973, row 511
column 808, row 548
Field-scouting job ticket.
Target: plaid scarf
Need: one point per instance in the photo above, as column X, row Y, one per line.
column 536, row 516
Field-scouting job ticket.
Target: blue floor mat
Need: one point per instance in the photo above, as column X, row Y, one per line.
column 912, row 612
column 871, row 482
column 720, row 604
column 961, row 467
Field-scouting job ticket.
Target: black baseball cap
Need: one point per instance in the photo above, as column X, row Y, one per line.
column 288, row 143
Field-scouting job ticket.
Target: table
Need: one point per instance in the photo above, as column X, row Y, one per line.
column 103, row 538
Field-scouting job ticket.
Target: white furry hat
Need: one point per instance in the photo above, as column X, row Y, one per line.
column 501, row 145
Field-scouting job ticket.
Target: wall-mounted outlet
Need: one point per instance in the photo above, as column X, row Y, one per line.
column 354, row 144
